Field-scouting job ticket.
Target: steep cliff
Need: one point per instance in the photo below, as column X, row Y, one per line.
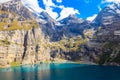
column 21, row 39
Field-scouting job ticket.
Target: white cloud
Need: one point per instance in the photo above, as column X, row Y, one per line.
column 109, row 1
column 33, row 4
column 49, row 10
column 59, row 1
column 66, row 11
column 2, row 1
column 49, row 5
column 117, row 1
column 91, row 18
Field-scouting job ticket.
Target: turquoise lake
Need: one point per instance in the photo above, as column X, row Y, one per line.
column 66, row 71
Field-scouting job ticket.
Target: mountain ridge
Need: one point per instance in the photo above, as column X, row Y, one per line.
column 39, row 38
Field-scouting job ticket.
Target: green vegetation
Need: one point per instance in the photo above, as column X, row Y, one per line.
column 117, row 58
column 14, row 24
column 110, row 53
column 104, row 57
column 110, row 45
column 14, row 64
column 70, row 47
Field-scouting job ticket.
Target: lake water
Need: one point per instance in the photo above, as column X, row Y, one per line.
column 66, row 71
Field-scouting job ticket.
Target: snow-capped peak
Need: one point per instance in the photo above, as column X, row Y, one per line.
column 71, row 19
column 108, row 15
column 115, row 7
column 32, row 5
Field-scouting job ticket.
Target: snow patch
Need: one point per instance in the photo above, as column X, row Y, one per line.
column 91, row 18
column 118, row 11
column 3, row 1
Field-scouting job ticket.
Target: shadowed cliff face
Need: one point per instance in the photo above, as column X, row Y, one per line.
column 25, row 45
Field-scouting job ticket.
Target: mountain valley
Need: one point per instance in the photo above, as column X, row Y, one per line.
column 28, row 38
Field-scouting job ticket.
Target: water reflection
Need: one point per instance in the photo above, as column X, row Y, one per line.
column 60, row 72
column 26, row 72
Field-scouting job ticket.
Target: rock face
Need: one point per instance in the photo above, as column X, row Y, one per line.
column 69, row 26
column 48, row 26
column 72, row 26
column 21, row 39
column 72, row 38
column 107, row 37
column 109, row 15
column 26, row 38
column 16, row 7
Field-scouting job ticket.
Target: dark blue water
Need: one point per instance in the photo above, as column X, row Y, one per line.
column 66, row 71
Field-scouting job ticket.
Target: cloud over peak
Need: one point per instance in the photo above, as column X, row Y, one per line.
column 32, row 4
column 49, row 8
column 3, row 1
column 65, row 11
column 111, row 1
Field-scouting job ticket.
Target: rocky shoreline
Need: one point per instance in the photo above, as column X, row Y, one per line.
column 60, row 61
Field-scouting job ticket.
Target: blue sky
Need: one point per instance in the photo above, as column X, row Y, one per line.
column 59, row 9
column 85, row 9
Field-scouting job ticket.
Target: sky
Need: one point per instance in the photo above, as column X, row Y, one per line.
column 85, row 9
column 59, row 9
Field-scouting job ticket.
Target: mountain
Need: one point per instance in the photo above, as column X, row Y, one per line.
column 108, row 22
column 28, row 37
column 48, row 25
column 71, row 19
column 17, row 7
column 19, row 35
column 69, row 26
column 109, row 15
column 24, row 39
column 74, row 26
column 106, row 40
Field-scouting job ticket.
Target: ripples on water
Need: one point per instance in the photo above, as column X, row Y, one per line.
column 66, row 71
